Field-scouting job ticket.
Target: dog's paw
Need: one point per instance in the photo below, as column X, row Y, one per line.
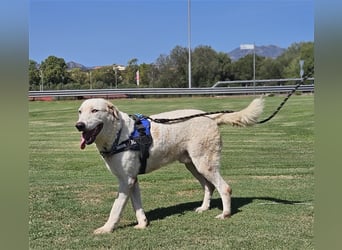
column 103, row 230
column 141, row 225
column 201, row 209
column 224, row 215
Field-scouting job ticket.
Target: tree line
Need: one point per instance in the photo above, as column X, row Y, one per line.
column 207, row 67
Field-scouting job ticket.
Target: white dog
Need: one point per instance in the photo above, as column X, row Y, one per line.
column 195, row 142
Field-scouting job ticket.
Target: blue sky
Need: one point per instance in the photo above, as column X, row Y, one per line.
column 104, row 32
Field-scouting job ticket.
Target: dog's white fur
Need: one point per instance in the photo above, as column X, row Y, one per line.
column 195, row 142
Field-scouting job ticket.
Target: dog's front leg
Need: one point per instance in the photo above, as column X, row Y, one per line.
column 117, row 208
column 137, row 206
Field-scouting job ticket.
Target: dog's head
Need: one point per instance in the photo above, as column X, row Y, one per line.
column 94, row 116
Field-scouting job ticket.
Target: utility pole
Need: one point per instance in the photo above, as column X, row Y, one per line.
column 189, row 44
column 41, row 87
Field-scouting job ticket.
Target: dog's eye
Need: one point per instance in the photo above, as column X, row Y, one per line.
column 79, row 111
column 94, row 110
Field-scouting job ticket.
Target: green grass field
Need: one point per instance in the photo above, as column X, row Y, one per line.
column 270, row 168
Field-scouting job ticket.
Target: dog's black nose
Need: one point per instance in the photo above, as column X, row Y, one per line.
column 80, row 126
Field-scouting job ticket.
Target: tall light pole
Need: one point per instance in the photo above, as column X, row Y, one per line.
column 116, row 75
column 41, row 87
column 254, row 67
column 301, row 71
column 189, row 44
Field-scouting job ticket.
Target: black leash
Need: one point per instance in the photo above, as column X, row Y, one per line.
column 301, row 82
column 281, row 104
column 181, row 119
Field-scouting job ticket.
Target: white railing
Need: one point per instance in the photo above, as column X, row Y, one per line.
column 170, row 91
column 226, row 83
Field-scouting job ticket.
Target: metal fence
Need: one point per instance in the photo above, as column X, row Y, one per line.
column 130, row 92
column 267, row 81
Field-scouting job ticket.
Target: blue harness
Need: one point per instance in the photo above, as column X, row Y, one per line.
column 141, row 127
column 140, row 140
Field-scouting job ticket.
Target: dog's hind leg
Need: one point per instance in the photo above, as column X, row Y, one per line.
column 224, row 190
column 210, row 171
column 207, row 187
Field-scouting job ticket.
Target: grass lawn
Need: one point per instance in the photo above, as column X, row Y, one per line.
column 270, row 168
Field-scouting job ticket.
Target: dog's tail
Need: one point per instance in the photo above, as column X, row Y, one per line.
column 246, row 117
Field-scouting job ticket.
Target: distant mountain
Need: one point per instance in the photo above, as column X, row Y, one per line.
column 271, row 51
column 73, row 65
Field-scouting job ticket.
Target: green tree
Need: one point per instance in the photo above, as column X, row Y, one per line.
column 307, row 54
column 243, row 68
column 150, row 75
column 172, row 69
column 145, row 75
column 208, row 66
column 34, row 75
column 225, row 67
column 79, row 76
column 269, row 69
column 165, row 72
column 54, row 71
column 291, row 57
column 179, row 58
column 129, row 75
column 103, row 77
column 204, row 66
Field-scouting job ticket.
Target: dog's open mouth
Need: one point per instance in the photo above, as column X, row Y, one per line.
column 88, row 137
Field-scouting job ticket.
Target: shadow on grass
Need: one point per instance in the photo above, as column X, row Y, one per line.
column 237, row 204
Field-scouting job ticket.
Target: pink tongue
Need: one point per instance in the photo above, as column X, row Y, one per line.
column 83, row 142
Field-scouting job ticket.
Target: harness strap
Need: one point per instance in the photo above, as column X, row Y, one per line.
column 116, row 147
column 143, row 140
column 140, row 140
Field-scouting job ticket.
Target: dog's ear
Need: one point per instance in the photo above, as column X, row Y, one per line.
column 113, row 110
